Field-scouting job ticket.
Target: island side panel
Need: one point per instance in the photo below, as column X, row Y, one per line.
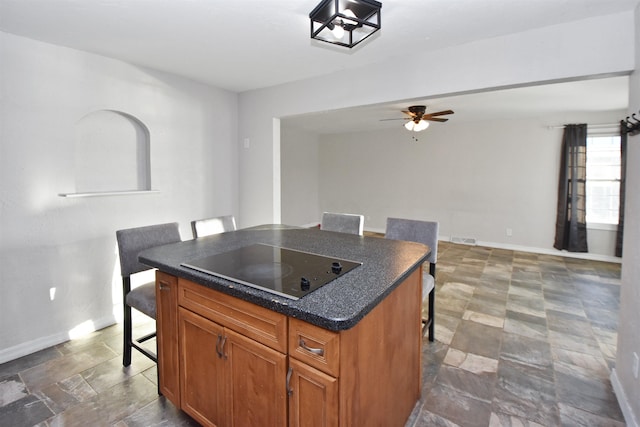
column 380, row 365
column 167, row 336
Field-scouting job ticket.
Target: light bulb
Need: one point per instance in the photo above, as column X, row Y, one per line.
column 409, row 125
column 338, row 31
column 348, row 13
column 421, row 125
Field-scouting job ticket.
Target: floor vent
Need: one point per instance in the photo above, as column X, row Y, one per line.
column 464, row 240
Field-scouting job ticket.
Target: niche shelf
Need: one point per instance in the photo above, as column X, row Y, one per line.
column 108, row 193
column 111, row 156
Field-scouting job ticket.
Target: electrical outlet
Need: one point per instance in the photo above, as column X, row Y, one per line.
column 509, row 232
column 636, row 365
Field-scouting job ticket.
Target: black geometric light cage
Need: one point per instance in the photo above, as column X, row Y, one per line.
column 345, row 22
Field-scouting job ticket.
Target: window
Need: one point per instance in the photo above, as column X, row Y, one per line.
column 603, row 179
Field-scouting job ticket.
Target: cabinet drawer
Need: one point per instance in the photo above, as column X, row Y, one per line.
column 315, row 346
column 258, row 323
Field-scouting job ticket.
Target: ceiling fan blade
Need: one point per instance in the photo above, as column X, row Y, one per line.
column 416, row 113
column 440, row 113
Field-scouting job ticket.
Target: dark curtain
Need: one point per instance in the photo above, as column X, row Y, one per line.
column 571, row 223
column 623, row 185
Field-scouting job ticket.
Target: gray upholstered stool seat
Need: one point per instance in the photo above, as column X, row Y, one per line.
column 428, row 283
column 143, row 298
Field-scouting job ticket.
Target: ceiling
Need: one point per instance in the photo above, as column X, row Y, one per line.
column 241, row 45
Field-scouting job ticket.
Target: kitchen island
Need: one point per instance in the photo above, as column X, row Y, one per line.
column 346, row 354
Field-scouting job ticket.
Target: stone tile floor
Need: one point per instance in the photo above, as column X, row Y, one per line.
column 521, row 340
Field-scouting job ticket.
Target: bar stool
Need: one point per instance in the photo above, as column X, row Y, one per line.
column 342, row 223
column 143, row 298
column 209, row 226
column 425, row 232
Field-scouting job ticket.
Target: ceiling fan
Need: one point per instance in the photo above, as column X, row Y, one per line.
column 418, row 120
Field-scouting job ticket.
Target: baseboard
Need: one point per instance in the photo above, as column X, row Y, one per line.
column 41, row 343
column 542, row 251
column 629, row 417
column 554, row 252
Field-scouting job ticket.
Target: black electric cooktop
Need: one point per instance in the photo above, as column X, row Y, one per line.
column 286, row 272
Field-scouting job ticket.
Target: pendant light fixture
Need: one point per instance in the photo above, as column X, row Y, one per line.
column 345, row 22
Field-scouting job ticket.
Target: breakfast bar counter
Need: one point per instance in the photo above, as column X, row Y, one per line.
column 345, row 354
column 336, row 306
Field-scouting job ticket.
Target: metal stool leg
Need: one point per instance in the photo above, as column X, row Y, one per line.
column 126, row 353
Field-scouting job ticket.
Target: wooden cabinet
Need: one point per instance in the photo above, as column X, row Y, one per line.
column 314, row 363
column 242, row 365
column 313, row 400
column 363, row 376
column 167, row 336
column 201, row 369
column 380, row 369
column 256, row 383
column 226, row 377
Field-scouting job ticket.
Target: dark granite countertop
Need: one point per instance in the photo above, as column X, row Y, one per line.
column 336, row 306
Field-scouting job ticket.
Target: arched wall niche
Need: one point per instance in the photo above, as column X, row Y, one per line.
column 111, row 154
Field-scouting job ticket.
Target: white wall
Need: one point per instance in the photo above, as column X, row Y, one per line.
column 543, row 55
column 49, row 242
column 627, row 387
column 477, row 179
column 299, row 175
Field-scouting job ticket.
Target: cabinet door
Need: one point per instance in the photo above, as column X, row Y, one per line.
column 256, row 383
column 167, row 336
column 314, row 397
column 201, row 368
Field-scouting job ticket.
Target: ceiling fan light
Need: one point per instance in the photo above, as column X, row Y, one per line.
column 409, row 125
column 421, row 125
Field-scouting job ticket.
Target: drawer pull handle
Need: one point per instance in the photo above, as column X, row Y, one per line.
column 318, row 351
column 163, row 286
column 289, row 389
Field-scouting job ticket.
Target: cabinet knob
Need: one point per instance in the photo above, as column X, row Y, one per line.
column 163, row 286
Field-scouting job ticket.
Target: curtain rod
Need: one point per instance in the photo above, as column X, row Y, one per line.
column 602, row 125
